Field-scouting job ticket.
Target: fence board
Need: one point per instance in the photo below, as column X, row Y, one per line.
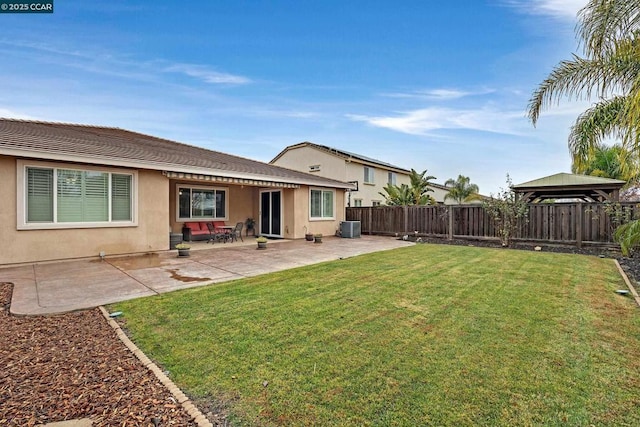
column 568, row 223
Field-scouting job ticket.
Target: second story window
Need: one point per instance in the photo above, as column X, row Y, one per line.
column 368, row 175
column 391, row 178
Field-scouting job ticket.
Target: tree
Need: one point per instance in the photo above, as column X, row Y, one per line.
column 413, row 194
column 611, row 162
column 507, row 211
column 398, row 195
column 610, row 70
column 461, row 190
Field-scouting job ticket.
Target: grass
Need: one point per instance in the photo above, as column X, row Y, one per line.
column 424, row 335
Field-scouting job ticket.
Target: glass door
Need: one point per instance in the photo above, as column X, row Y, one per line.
column 271, row 213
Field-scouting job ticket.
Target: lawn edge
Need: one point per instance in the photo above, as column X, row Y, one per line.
column 632, row 289
column 180, row 397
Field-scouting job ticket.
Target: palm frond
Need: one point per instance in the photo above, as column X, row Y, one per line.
column 579, row 78
column 628, row 235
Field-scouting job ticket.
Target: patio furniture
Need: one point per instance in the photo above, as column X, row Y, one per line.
column 218, row 232
column 195, row 231
column 237, row 232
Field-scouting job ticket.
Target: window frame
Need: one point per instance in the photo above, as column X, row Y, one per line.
column 392, row 178
column 22, row 222
column 191, row 187
column 322, row 191
column 372, row 174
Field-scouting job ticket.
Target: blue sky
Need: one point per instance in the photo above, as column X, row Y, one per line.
column 436, row 85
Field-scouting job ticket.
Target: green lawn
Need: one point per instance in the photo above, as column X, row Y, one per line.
column 424, row 335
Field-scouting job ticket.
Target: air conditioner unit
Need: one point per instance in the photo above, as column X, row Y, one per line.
column 350, row 229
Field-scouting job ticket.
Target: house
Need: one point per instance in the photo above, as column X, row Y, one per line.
column 370, row 176
column 72, row 191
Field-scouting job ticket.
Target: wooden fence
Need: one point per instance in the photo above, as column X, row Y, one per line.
column 559, row 223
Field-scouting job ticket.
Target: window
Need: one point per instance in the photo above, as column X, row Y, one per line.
column 73, row 196
column 201, row 203
column 391, row 180
column 376, row 203
column 314, row 168
column 321, row 204
column 357, row 203
column 368, row 175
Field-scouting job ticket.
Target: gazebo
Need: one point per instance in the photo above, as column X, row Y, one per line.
column 570, row 186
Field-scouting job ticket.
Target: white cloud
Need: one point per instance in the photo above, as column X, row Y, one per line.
column 438, row 94
column 425, row 120
column 10, row 114
column 207, row 75
column 563, row 9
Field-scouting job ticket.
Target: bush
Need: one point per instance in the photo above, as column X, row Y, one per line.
column 507, row 211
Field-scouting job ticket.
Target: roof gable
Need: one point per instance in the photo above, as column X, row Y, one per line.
column 343, row 154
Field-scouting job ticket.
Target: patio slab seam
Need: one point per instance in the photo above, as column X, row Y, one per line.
column 130, row 276
column 175, row 391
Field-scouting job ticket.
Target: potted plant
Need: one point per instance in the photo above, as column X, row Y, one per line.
column 262, row 242
column 183, row 249
column 250, row 223
column 307, row 236
column 317, row 238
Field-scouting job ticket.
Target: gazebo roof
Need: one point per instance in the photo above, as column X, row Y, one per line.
column 570, row 186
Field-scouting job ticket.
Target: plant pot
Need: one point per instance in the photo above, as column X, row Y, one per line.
column 308, row 237
column 317, row 239
column 262, row 245
column 184, row 252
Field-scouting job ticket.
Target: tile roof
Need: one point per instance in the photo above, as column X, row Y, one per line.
column 115, row 146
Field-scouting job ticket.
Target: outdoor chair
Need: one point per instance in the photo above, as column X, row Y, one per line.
column 237, row 232
column 217, row 234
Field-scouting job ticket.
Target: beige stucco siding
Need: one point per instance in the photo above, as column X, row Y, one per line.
column 302, row 158
column 303, row 222
column 150, row 234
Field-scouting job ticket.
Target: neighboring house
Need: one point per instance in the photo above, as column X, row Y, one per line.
column 369, row 175
column 72, row 191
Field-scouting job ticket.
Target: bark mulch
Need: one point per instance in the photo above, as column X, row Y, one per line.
column 74, row 366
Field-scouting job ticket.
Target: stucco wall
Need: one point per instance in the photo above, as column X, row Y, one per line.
column 302, row 222
column 151, row 233
column 302, row 158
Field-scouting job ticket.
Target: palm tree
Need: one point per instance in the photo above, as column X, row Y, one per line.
column 397, row 195
column 610, row 70
column 420, row 186
column 461, row 190
column 413, row 194
column 611, row 162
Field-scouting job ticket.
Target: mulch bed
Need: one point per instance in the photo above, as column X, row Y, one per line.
column 74, row 366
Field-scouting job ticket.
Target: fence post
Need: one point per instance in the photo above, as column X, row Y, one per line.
column 405, row 210
column 369, row 220
column 450, row 222
column 579, row 207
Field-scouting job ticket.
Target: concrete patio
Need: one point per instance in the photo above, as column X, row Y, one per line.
column 57, row 287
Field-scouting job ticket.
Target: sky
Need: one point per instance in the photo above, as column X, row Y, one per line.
column 436, row 85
